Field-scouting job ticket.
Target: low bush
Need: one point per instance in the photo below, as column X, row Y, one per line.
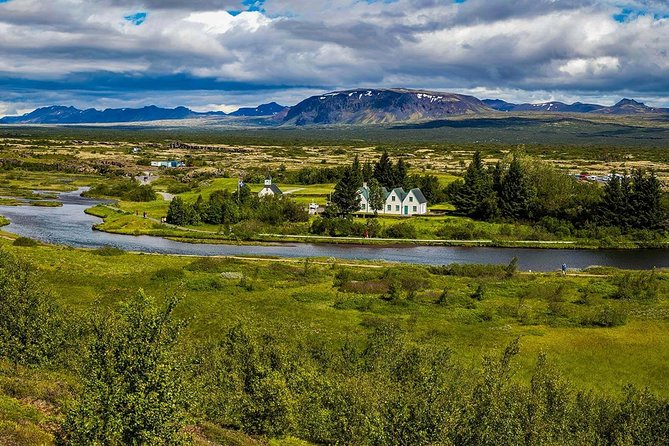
column 108, row 251
column 403, row 230
column 25, row 241
column 167, row 274
column 470, row 270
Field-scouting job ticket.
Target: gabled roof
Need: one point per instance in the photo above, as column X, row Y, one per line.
column 400, row 193
column 419, row 195
column 274, row 188
column 364, row 191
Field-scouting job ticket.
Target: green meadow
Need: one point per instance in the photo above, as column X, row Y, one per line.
column 330, row 302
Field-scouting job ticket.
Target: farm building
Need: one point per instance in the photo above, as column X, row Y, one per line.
column 396, row 201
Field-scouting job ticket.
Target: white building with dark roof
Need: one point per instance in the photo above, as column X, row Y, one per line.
column 396, row 201
column 270, row 189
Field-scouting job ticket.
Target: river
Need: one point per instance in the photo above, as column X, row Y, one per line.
column 69, row 225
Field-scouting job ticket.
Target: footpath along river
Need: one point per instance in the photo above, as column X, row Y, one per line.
column 69, row 225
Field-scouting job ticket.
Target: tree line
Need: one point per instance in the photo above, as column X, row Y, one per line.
column 529, row 190
column 224, row 207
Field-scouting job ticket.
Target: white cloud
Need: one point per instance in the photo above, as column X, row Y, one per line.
column 564, row 48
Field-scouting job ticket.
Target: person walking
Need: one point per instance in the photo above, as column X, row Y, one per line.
column 564, row 269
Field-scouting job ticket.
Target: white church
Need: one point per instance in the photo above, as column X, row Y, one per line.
column 396, row 202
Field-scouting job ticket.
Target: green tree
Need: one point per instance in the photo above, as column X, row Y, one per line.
column 614, row 207
column 31, row 323
column 384, row 171
column 133, row 390
column 367, row 172
column 475, row 197
column 400, row 174
column 345, row 194
column 176, row 213
column 376, row 196
column 357, row 171
column 647, row 211
column 516, row 197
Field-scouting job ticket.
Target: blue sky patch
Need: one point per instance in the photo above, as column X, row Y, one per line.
column 4, row 1
column 137, row 18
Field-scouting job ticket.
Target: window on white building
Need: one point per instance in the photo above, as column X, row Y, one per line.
column 414, row 208
column 389, row 207
column 397, row 208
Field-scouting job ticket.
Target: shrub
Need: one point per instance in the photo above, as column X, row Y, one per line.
column 471, row 270
column 479, row 294
column 643, row 285
column 403, row 230
column 108, row 251
column 206, row 265
column 25, row 241
column 608, row 316
column 167, row 274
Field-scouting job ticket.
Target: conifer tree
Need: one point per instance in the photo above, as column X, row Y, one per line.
column 357, row 171
column 384, row 171
column 516, row 196
column 376, row 196
column 400, row 175
column 367, row 172
column 345, row 195
column 645, row 201
column 614, row 207
column 475, row 196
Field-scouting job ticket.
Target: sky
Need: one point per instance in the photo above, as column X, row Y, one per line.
column 223, row 54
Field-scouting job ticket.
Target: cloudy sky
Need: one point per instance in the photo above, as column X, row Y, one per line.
column 221, row 54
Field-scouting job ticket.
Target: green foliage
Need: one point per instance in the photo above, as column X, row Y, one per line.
column 475, row 197
column 637, row 286
column 133, row 391
column 109, row 251
column 25, row 242
column 516, row 194
column 345, row 195
column 632, row 202
column 401, row 230
column 376, row 196
column 31, row 324
column 472, row 270
column 129, row 190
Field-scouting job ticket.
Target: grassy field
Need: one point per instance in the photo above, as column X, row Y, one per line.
column 281, row 298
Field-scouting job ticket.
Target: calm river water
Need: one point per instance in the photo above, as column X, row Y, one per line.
column 69, row 225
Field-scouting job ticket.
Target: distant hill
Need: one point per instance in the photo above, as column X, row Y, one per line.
column 376, row 106
column 58, row 114
column 624, row 107
column 270, row 109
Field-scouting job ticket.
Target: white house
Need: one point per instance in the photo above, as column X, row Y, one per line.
column 396, row 201
column 270, row 190
column 168, row 164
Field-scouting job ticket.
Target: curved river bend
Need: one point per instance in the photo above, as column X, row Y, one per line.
column 69, row 225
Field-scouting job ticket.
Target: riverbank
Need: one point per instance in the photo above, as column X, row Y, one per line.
column 118, row 221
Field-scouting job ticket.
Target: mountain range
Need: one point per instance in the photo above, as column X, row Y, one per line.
column 58, row 114
column 624, row 107
column 360, row 106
